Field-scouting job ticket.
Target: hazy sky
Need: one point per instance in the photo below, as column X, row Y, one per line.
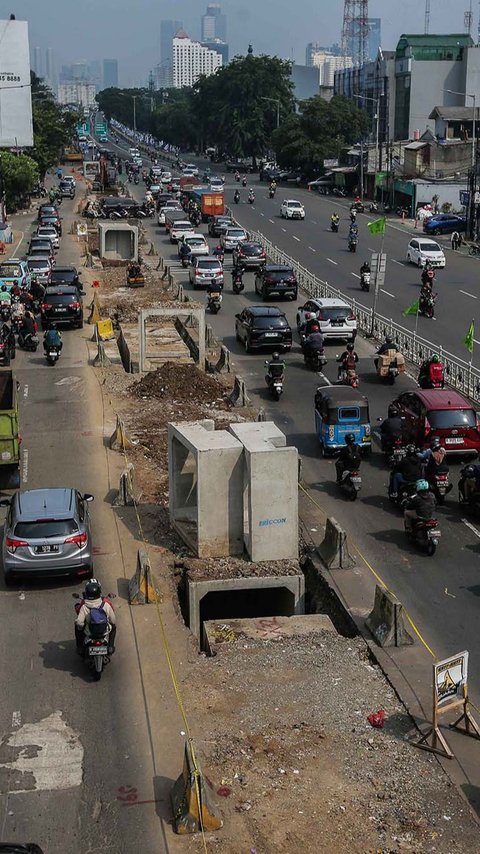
column 128, row 30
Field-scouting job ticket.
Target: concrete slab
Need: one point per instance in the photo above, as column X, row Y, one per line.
column 164, row 345
column 118, row 241
column 217, row 634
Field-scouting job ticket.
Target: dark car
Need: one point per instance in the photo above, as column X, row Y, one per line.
column 445, row 223
column 263, row 326
column 238, row 166
column 248, row 255
column 47, row 210
column 66, row 190
column 218, row 224
column 62, row 305
column 38, row 245
column 440, row 412
column 276, row 279
column 65, row 276
column 51, row 219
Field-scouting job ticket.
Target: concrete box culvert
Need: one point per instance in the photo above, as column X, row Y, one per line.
column 229, row 598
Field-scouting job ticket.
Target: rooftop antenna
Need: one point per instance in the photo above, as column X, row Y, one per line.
column 355, row 31
column 427, row 17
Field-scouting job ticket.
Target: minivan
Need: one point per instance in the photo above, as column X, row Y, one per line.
column 442, row 413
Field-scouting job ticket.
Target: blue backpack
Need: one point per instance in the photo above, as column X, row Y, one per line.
column 98, row 622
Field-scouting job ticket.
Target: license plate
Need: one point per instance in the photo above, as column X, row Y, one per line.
column 435, row 533
column 45, row 550
column 97, row 650
column 60, row 309
column 356, row 479
column 53, row 354
column 271, row 334
column 459, row 441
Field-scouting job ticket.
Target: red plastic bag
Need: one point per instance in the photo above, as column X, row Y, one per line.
column 377, row 719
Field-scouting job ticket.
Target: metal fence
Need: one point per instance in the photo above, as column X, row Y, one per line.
column 459, row 373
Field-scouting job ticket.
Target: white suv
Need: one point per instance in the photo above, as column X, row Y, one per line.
column 231, row 237
column 292, row 209
column 335, row 318
column 423, row 249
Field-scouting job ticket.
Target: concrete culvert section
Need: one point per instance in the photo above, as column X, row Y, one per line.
column 227, row 588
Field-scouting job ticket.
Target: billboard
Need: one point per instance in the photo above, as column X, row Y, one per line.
column 15, row 93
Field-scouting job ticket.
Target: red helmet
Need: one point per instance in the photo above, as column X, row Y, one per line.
column 315, row 328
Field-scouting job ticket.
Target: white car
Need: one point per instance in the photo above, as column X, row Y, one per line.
column 197, row 243
column 192, row 168
column 423, row 249
column 335, row 318
column 216, row 183
column 50, row 232
column 205, row 269
column 168, row 209
column 187, row 173
column 232, row 237
column 69, row 179
column 181, row 229
column 292, row 209
column 166, row 177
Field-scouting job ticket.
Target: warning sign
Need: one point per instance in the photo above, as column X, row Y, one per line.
column 451, row 678
column 82, row 229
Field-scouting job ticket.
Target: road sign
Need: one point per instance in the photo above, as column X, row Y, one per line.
column 377, row 266
column 476, row 199
column 464, row 198
column 450, row 678
column 100, row 128
column 83, row 128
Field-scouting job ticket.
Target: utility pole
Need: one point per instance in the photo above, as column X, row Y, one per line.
column 427, row 17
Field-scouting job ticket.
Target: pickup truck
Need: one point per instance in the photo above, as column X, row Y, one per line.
column 9, row 435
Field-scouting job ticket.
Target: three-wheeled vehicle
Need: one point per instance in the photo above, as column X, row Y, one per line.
column 135, row 277
column 340, row 410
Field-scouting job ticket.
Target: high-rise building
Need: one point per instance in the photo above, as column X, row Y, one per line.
column 191, row 59
column 110, row 73
column 374, row 37
column 50, row 69
column 168, row 30
column 220, row 47
column 37, row 64
column 214, row 24
column 77, row 92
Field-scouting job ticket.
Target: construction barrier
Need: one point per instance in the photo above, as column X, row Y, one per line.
column 141, row 589
column 101, row 360
column 126, row 497
column 105, row 330
column 94, row 315
column 223, row 363
column 333, row 549
column 119, row 440
column 191, row 798
column 239, row 395
column 152, row 250
column 386, row 622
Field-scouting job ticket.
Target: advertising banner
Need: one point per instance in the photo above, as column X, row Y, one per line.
column 15, row 92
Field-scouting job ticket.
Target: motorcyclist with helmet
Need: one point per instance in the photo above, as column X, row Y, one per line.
column 428, row 276
column 52, row 339
column 236, row 197
column 391, row 429
column 420, row 506
column 431, row 373
column 92, row 598
column 313, row 341
column 334, row 221
column 349, row 458
column 434, row 457
column 388, row 344
column 469, row 482
column 309, row 320
column 347, row 360
column 275, row 368
column 5, row 295
column 409, row 470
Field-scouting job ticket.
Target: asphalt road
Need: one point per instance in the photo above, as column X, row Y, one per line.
column 441, row 594
column 70, row 744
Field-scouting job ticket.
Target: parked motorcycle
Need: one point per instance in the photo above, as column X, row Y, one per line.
column 52, row 355
column 425, row 533
column 351, row 484
column 365, row 281
column 29, row 342
column 275, row 384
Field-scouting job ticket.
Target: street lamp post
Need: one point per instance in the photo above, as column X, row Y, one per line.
column 134, row 113
column 376, row 101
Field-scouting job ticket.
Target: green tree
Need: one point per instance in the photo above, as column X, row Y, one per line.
column 53, row 127
column 317, row 132
column 19, row 175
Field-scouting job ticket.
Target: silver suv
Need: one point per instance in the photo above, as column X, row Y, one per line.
column 47, row 532
column 335, row 318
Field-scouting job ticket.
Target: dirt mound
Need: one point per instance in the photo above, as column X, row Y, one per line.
column 173, row 381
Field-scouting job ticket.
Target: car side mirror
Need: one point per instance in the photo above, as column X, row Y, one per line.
column 5, row 502
column 88, row 497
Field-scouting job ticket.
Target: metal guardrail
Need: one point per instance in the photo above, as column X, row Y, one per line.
column 459, row 374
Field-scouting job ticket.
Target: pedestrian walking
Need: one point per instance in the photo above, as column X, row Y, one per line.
column 455, row 240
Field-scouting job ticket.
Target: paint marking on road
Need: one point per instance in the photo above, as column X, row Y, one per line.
column 467, row 294
column 24, row 464
column 371, row 250
column 22, row 233
column 25, row 391
column 476, row 341
column 400, row 263
column 262, row 214
column 272, row 221
column 472, row 527
column 388, row 293
column 326, row 380
column 332, row 261
column 314, row 222
column 16, row 720
column 47, row 755
column 284, row 229
column 356, row 275
column 296, row 238
column 314, row 250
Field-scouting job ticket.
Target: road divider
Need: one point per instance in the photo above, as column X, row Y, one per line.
column 141, row 589
column 239, row 396
column 386, row 622
column 101, row 360
column 126, row 496
column 192, row 800
column 333, row 549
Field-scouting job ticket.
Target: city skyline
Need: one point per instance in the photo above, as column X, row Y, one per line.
column 272, row 26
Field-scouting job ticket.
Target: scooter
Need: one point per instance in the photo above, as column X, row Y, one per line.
column 315, row 360
column 425, row 533
column 440, row 485
column 186, row 260
column 352, row 244
column 426, row 305
column 52, row 355
column 96, row 652
column 214, row 303
column 351, row 483
column 349, row 376
column 365, row 281
column 271, row 193
column 244, row 182
column 334, row 225
column 251, row 198
column 29, row 343
column 237, row 282
column 236, row 197
column 373, row 207
column 275, row 384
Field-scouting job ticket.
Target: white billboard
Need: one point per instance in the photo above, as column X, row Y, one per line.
column 15, row 92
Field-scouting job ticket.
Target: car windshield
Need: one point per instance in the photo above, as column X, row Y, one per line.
column 40, row 529
column 38, row 264
column 449, row 418
column 235, row 232
column 208, row 265
column 294, row 204
column 430, row 247
column 196, row 241
column 10, row 270
column 279, row 275
column 339, row 313
column 60, row 298
column 266, row 322
column 60, row 275
column 251, row 249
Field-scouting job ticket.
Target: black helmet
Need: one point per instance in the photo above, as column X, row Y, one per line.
column 275, row 356
column 53, row 325
column 392, row 411
column 92, row 590
column 435, row 443
column 350, row 348
column 349, row 439
column 469, row 471
column 388, row 339
column 411, row 450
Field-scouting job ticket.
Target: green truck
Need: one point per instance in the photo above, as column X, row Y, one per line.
column 9, row 435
